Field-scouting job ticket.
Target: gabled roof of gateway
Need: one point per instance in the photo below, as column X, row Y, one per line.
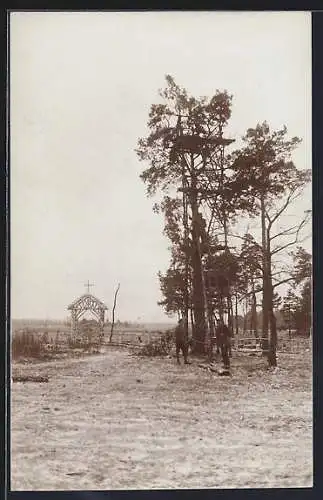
column 87, row 297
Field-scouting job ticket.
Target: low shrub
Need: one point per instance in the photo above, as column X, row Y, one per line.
column 27, row 344
column 159, row 347
column 83, row 341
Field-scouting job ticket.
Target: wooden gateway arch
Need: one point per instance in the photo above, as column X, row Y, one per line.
column 87, row 302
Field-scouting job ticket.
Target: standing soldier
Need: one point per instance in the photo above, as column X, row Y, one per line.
column 223, row 335
column 181, row 341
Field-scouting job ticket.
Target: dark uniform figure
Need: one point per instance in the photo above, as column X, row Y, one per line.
column 223, row 336
column 181, row 341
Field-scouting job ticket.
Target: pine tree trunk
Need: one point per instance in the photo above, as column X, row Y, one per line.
column 186, row 233
column 272, row 357
column 272, row 354
column 265, row 293
column 198, row 278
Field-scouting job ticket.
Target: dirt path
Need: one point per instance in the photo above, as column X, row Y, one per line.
column 115, row 421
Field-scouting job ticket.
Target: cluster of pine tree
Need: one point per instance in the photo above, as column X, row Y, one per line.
column 208, row 188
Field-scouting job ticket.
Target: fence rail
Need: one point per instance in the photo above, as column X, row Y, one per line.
column 291, row 345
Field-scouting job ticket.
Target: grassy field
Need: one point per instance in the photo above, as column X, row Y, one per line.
column 118, row 421
column 59, row 335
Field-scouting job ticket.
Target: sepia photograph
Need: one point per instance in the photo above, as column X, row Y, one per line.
column 160, row 250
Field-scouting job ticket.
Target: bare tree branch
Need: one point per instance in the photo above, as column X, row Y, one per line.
column 279, row 211
column 243, row 238
column 280, row 272
column 282, row 282
column 275, row 285
column 287, row 232
column 294, row 193
column 296, row 239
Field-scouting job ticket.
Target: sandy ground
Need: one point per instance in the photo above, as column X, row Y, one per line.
column 116, row 421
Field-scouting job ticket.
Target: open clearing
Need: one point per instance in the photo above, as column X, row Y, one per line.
column 117, row 421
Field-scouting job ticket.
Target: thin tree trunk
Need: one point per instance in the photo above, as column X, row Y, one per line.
column 230, row 319
column 265, row 293
column 272, row 354
column 209, row 306
column 272, row 357
column 256, row 317
column 250, row 319
column 245, row 317
column 221, row 312
column 192, row 322
column 254, row 311
column 210, row 319
column 113, row 310
column 230, row 313
column 236, row 314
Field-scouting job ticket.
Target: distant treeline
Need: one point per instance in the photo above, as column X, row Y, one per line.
column 21, row 323
column 63, row 323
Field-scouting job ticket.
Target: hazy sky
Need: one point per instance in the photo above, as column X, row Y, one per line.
column 81, row 88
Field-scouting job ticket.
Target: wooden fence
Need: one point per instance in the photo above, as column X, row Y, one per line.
column 292, row 345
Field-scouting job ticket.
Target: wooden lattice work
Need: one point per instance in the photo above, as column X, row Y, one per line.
column 87, row 302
